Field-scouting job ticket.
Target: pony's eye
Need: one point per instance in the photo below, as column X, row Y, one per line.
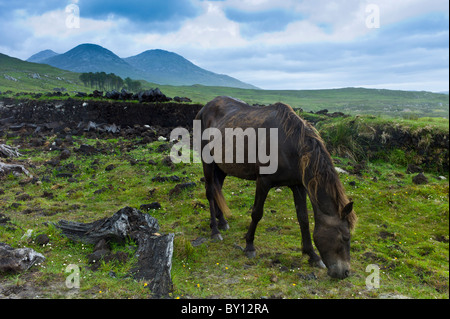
column 345, row 237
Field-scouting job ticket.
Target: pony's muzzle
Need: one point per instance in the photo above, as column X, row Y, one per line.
column 339, row 270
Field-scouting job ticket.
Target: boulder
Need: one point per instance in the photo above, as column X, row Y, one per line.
column 420, row 179
column 114, row 95
column 153, row 95
column 125, row 95
column 97, row 94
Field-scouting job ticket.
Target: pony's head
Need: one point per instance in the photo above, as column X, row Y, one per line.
column 332, row 238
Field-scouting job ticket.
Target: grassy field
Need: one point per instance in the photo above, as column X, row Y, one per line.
column 403, row 229
column 346, row 100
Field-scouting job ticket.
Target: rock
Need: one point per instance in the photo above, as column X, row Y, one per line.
column 180, row 187
column 87, row 149
column 392, row 296
column 167, row 161
column 411, row 169
column 198, row 241
column 147, row 207
column 81, row 94
column 23, row 197
column 42, row 239
column 110, row 167
column 114, row 95
column 153, row 95
column 181, row 99
column 97, row 94
column 341, row 171
column 4, row 219
column 311, row 276
column 101, row 250
column 18, row 260
column 65, row 154
column 125, row 95
column 420, row 179
column 323, row 112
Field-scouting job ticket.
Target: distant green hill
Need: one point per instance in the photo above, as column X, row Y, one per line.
column 18, row 75
column 407, row 104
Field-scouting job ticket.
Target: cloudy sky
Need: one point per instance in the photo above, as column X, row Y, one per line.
column 273, row 44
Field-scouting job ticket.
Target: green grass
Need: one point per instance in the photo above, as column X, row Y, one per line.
column 347, row 100
column 402, row 228
column 50, row 77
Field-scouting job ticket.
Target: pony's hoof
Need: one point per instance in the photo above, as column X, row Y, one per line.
column 217, row 237
column 250, row 254
column 319, row 264
column 224, row 227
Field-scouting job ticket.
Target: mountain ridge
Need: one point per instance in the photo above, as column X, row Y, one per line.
column 156, row 65
column 42, row 55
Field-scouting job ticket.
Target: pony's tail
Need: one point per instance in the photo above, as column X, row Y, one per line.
column 220, row 200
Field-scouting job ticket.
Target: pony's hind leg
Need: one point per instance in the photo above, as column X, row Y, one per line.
column 212, row 186
column 219, row 176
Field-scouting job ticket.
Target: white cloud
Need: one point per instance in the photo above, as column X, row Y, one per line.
column 209, row 30
column 329, row 45
column 55, row 24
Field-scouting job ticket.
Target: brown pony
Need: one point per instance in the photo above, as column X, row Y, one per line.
column 304, row 165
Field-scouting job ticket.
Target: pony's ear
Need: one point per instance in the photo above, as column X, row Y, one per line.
column 347, row 210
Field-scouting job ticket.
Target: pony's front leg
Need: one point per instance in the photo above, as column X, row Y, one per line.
column 262, row 189
column 302, row 216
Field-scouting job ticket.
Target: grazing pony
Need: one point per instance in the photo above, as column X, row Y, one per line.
column 303, row 164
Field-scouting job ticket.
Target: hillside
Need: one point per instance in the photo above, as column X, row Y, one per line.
column 156, row 66
column 165, row 67
column 17, row 75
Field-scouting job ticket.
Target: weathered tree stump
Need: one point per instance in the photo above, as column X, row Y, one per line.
column 19, row 259
column 154, row 250
column 5, row 169
column 9, row 151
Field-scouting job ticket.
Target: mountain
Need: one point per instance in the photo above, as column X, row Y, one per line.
column 166, row 67
column 40, row 56
column 157, row 66
column 92, row 58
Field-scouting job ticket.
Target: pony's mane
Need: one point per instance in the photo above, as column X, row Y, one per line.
column 315, row 163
